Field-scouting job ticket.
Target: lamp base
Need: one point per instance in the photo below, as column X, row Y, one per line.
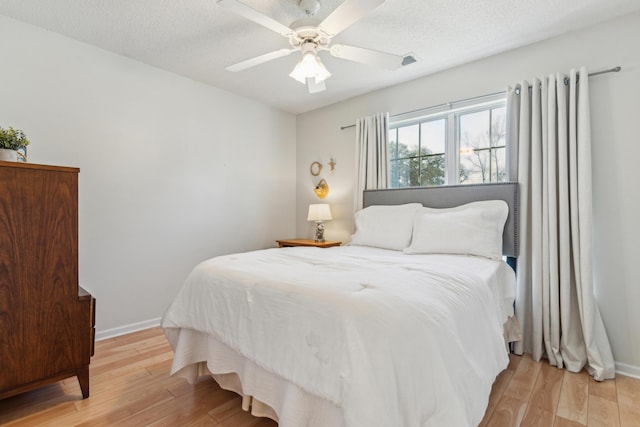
column 319, row 232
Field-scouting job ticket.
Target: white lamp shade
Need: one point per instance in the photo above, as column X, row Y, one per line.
column 319, row 212
column 322, row 73
column 310, row 67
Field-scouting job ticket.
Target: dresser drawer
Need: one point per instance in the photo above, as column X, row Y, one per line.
column 93, row 325
column 83, row 295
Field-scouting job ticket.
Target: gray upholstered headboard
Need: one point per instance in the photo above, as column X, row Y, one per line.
column 454, row 195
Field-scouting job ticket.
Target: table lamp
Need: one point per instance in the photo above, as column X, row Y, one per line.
column 319, row 213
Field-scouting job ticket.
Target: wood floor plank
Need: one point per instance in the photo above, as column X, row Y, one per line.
column 131, row 364
column 537, row 417
column 131, row 359
column 546, row 391
column 628, row 391
column 204, row 421
column 192, row 404
column 563, row 422
column 44, row 417
column 230, row 414
column 117, row 411
column 604, row 389
column 183, row 387
column 35, row 401
column 509, row 413
column 514, row 361
column 106, row 382
column 603, row 412
column 111, row 358
column 524, row 379
column 574, row 395
column 151, row 390
column 227, row 409
column 499, row 386
column 245, row 419
column 131, row 386
column 629, row 416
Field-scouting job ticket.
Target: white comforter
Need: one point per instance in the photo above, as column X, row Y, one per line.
column 392, row 339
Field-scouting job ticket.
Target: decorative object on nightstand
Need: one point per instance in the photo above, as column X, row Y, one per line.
column 319, row 213
column 13, row 144
column 322, row 190
column 287, row 243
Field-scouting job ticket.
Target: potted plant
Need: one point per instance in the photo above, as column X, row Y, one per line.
column 11, row 140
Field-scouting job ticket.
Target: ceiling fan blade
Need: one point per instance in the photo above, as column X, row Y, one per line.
column 367, row 56
column 346, row 14
column 315, row 87
column 253, row 15
column 259, row 60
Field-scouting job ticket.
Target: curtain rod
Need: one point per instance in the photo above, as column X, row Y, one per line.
column 474, row 98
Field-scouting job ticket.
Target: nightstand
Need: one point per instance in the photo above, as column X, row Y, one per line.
column 306, row 242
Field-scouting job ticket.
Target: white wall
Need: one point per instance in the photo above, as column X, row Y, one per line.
column 615, row 101
column 171, row 171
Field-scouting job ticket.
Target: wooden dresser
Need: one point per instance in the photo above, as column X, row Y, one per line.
column 46, row 320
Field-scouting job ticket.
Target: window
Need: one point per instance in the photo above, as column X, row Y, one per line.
column 464, row 145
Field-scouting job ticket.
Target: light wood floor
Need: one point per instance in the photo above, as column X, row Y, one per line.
column 131, row 386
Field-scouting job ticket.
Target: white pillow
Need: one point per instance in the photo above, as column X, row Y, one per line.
column 387, row 227
column 472, row 229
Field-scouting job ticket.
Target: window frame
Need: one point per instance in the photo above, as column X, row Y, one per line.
column 451, row 113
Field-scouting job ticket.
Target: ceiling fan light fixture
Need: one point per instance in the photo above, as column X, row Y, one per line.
column 310, row 67
column 322, row 73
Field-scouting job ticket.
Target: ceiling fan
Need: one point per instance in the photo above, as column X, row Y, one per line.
column 311, row 39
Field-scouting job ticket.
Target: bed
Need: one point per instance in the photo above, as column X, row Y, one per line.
column 360, row 335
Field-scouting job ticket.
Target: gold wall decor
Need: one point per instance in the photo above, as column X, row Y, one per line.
column 322, row 189
column 315, row 168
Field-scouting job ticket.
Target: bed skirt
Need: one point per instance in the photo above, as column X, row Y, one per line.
column 263, row 393
column 511, row 331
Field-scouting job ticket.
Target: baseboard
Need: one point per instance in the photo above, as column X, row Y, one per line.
column 127, row 329
column 628, row 370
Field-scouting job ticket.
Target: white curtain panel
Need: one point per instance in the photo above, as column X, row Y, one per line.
column 548, row 132
column 372, row 155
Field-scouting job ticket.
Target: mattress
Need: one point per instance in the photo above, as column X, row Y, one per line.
column 356, row 335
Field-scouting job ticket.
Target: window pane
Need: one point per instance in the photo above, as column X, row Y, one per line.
column 474, row 130
column 393, row 144
column 480, row 166
column 393, row 174
column 478, row 162
column 474, row 166
column 498, row 120
column 408, row 140
column 403, row 173
column 414, row 172
column 432, row 170
column 433, row 136
column 498, row 158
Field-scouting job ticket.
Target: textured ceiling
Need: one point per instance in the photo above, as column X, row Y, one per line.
column 197, row 38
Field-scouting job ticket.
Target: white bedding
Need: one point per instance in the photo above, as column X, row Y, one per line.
column 391, row 339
